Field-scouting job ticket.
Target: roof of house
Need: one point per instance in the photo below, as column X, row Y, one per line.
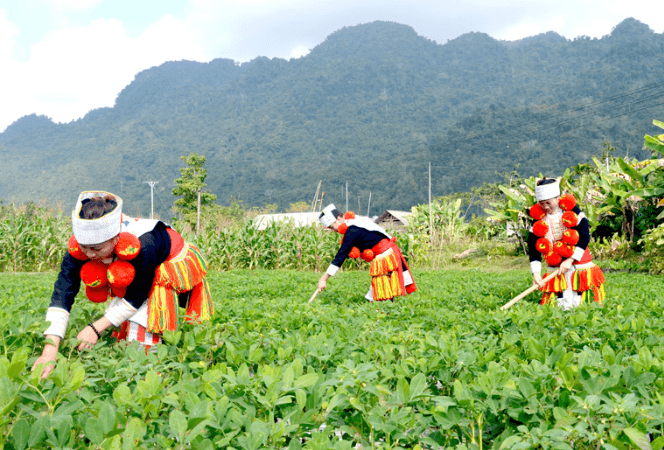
column 401, row 216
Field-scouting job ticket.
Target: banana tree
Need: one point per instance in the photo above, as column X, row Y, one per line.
column 513, row 211
column 625, row 188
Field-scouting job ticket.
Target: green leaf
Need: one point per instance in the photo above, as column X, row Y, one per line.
column 509, row 442
column 18, row 363
column 107, row 418
column 301, row 398
column 133, row 433
column 21, row 434
column 178, row 423
column 629, row 170
column 638, row 438
column 306, row 380
column 94, row 431
column 288, row 377
column 417, row 386
column 658, row 443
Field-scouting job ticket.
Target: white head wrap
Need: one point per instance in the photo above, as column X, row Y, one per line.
column 547, row 191
column 96, row 231
column 329, row 215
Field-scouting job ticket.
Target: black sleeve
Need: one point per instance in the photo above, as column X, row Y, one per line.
column 346, row 246
column 583, row 229
column 68, row 283
column 155, row 247
column 533, row 254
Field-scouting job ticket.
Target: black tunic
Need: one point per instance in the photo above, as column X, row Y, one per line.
column 155, row 248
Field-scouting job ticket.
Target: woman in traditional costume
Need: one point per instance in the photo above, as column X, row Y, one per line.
column 561, row 233
column 363, row 238
column 143, row 266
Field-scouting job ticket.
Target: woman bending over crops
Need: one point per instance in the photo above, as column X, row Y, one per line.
column 390, row 276
column 143, row 266
column 561, row 234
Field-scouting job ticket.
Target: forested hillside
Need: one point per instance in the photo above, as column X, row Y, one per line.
column 372, row 105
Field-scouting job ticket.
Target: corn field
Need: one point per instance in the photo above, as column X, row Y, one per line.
column 34, row 238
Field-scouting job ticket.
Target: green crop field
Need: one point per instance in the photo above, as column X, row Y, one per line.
column 440, row 368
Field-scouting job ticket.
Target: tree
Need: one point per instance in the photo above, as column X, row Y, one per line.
column 299, row 207
column 189, row 186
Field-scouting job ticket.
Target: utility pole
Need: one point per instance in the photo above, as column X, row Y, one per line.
column 198, row 214
column 152, row 183
column 430, row 213
column 346, row 196
column 314, row 203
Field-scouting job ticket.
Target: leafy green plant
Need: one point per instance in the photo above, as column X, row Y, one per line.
column 442, row 368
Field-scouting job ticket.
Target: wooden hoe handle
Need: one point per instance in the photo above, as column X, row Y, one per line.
column 528, row 291
column 316, row 292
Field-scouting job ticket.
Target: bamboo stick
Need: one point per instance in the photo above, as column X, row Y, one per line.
column 528, row 291
column 316, row 292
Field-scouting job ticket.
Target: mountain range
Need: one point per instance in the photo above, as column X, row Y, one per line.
column 369, row 108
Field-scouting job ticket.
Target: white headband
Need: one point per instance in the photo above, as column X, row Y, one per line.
column 96, row 231
column 329, row 215
column 547, row 191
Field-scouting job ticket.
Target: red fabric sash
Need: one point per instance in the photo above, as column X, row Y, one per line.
column 384, row 246
column 177, row 243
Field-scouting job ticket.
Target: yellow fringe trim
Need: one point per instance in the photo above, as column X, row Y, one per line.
column 385, row 278
column 183, row 273
column 384, row 265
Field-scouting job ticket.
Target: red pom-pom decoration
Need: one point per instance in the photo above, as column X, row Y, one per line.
column 97, row 295
column 537, row 212
column 564, row 250
column 120, row 273
column 93, row 274
column 553, row 259
column 543, row 246
column 118, row 292
column 343, row 228
column 540, row 228
column 75, row 249
column 567, row 202
column 571, row 237
column 354, row 252
column 349, row 215
column 368, row 255
column 570, row 219
column 128, row 246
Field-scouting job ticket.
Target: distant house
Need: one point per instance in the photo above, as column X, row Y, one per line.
column 301, row 219
column 395, row 220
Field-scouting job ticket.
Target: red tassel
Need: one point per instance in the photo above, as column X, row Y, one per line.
column 540, row 228
column 537, row 212
column 543, row 246
column 567, row 202
column 200, row 303
column 570, row 219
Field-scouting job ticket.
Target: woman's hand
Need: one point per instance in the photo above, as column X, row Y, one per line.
column 88, row 338
column 322, row 283
column 537, row 280
column 566, row 265
column 46, row 360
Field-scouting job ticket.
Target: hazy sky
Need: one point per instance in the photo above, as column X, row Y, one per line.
column 62, row 58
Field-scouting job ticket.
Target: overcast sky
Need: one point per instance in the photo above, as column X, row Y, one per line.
column 62, row 58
